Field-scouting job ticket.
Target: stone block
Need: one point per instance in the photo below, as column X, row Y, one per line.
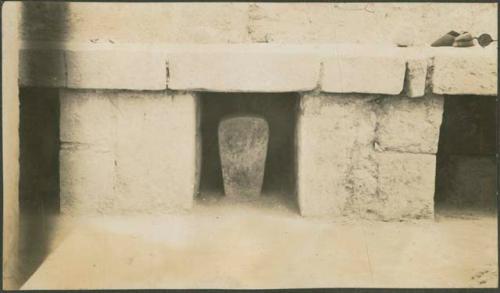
column 405, row 186
column 44, row 68
column 86, row 180
column 334, row 138
column 248, row 70
column 243, row 147
column 415, row 79
column 116, row 69
column 146, row 141
column 363, row 74
column 409, row 125
column 155, row 151
column 474, row 74
column 86, row 117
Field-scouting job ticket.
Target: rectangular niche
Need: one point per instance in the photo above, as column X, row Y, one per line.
column 466, row 169
column 279, row 109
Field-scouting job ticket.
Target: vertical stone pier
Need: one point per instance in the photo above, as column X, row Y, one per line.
column 127, row 151
column 367, row 155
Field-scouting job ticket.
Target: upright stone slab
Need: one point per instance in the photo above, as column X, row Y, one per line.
column 127, row 151
column 334, row 142
column 243, row 147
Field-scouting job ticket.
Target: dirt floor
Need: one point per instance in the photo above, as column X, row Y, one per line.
column 266, row 244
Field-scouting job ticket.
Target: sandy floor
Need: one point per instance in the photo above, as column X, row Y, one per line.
column 268, row 245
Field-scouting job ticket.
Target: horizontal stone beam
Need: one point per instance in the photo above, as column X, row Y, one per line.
column 459, row 74
column 262, row 68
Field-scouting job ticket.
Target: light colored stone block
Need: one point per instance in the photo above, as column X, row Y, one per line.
column 409, row 125
column 415, row 79
column 116, row 69
column 146, row 141
column 156, row 149
column 86, row 117
column 86, row 180
column 474, row 74
column 334, row 138
column 363, row 74
column 405, row 186
column 42, row 68
column 248, row 70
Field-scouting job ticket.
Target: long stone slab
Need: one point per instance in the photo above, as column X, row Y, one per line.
column 116, row 69
column 363, row 74
column 472, row 74
column 347, row 68
column 226, row 70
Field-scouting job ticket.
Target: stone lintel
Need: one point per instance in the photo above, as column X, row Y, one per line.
column 262, row 68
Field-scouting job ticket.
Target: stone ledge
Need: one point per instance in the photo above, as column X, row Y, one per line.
column 465, row 74
column 261, row 67
column 116, row 69
column 363, row 74
column 243, row 71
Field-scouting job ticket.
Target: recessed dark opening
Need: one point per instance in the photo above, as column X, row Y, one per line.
column 279, row 109
column 466, row 163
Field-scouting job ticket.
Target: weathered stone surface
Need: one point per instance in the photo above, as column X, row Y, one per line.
column 254, row 22
column 116, row 69
column 42, row 68
column 334, row 137
column 243, row 147
column 155, row 151
column 142, row 168
column 474, row 74
column 86, row 117
column 467, row 181
column 86, row 180
column 405, row 186
column 409, row 125
column 247, row 70
column 363, row 74
column 415, row 79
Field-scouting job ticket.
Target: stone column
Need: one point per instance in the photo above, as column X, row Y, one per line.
column 128, row 151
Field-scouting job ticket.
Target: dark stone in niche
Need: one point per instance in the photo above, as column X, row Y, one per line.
column 243, row 144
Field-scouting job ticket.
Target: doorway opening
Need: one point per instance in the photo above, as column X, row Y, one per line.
column 466, row 168
column 280, row 112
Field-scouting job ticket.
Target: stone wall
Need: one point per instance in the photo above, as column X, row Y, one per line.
column 127, row 151
column 366, row 23
column 368, row 156
column 367, row 130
